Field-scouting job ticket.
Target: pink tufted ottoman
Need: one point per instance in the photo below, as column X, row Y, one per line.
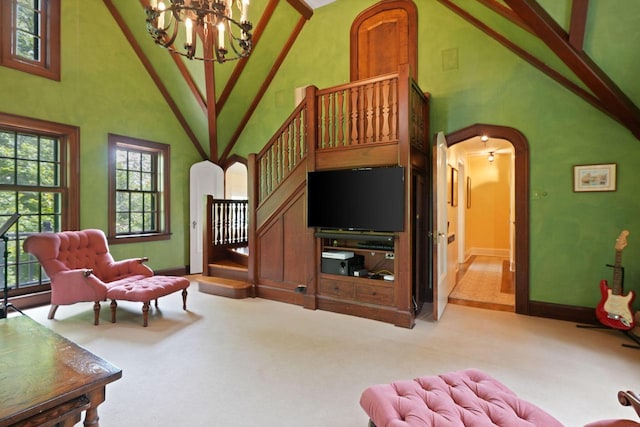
column 145, row 290
column 468, row 398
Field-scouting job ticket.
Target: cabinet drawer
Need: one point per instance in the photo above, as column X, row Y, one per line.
column 373, row 294
column 337, row 288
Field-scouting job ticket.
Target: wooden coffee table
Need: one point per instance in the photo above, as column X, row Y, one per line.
column 47, row 380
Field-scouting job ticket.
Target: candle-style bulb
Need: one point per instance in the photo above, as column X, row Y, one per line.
column 245, row 11
column 221, row 36
column 161, row 8
column 188, row 24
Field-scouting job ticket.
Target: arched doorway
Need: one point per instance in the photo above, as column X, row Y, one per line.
column 521, row 202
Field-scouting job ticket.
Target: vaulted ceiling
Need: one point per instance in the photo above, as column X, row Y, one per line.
column 549, row 34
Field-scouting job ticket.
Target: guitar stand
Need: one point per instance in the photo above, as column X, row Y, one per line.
column 631, row 335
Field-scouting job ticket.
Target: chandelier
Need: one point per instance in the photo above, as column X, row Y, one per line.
column 212, row 20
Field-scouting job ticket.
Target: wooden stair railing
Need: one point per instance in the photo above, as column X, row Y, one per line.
column 349, row 115
column 284, row 151
column 226, row 226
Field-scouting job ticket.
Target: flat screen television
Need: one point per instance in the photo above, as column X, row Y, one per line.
column 366, row 199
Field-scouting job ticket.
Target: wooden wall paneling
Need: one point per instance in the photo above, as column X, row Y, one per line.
column 296, row 241
column 382, row 44
column 357, row 157
column 294, row 183
column 271, row 252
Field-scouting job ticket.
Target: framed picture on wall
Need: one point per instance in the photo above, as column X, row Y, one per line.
column 468, row 192
column 454, row 187
column 598, row 177
column 449, row 184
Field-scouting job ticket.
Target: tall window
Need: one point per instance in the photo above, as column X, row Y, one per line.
column 38, row 180
column 30, row 36
column 139, row 189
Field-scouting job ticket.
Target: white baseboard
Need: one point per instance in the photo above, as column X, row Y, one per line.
column 489, row 252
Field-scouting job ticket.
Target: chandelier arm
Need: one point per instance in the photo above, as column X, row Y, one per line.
column 205, row 15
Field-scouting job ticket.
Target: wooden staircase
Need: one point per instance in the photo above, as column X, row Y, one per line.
column 228, row 277
column 376, row 122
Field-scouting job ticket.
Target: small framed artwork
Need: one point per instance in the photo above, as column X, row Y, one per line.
column 454, row 187
column 449, row 184
column 601, row 177
column 468, row 192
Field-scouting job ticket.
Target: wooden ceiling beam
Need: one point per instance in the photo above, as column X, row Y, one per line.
column 612, row 97
column 185, row 73
column 302, row 8
column 528, row 57
column 263, row 88
column 154, row 76
column 237, row 71
column 579, row 9
column 210, row 87
column 507, row 13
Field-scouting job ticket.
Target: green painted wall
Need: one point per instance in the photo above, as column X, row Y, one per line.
column 572, row 234
column 104, row 89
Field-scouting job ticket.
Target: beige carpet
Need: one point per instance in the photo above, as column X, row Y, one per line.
column 482, row 282
column 254, row 362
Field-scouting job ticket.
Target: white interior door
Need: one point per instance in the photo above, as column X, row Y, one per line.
column 441, row 288
column 205, row 178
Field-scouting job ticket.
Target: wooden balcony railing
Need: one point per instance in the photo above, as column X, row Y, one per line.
column 364, row 112
column 228, row 221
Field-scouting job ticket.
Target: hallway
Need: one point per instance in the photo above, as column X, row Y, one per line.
column 485, row 282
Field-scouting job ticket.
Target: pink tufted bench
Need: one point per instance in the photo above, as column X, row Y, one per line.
column 468, row 398
column 145, row 290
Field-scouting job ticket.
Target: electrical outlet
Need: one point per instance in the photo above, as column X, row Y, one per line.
column 390, row 255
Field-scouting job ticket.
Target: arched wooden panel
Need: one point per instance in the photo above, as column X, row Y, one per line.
column 383, row 37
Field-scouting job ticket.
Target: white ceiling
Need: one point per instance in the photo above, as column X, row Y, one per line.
column 318, row 3
column 475, row 146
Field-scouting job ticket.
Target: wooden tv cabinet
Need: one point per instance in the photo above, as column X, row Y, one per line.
column 372, row 296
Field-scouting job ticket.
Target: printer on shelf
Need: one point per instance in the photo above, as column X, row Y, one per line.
column 341, row 262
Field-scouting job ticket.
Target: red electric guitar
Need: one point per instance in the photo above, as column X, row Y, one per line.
column 614, row 309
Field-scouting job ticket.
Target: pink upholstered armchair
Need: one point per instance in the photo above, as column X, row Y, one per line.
column 81, row 268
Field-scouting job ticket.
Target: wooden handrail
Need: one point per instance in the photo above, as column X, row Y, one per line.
column 357, row 83
column 284, row 151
